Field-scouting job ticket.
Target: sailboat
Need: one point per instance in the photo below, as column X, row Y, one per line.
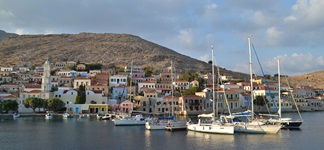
column 207, row 122
column 169, row 123
column 174, row 124
column 253, row 125
column 286, row 123
column 131, row 120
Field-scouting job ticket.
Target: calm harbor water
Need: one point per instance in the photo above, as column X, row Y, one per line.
column 33, row 133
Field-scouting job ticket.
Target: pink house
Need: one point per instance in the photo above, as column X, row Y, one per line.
column 124, row 107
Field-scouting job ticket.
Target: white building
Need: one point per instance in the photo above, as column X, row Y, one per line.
column 117, row 80
column 6, row 69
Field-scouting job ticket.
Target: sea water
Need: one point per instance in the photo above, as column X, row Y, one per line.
column 33, row 133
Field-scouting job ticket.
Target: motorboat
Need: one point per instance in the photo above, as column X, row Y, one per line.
column 99, row 116
column 84, row 116
column 106, row 117
column 67, row 115
column 15, row 115
column 48, row 115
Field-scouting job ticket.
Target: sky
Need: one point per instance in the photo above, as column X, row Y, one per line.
column 291, row 31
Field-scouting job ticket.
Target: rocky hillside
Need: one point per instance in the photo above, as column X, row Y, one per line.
column 4, row 35
column 107, row 49
column 314, row 80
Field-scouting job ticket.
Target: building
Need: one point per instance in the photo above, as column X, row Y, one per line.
column 46, row 82
column 81, row 81
column 117, row 80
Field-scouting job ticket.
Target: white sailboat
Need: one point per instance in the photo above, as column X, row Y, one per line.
column 174, row 124
column 286, row 123
column 158, row 123
column 206, row 122
column 169, row 123
column 254, row 126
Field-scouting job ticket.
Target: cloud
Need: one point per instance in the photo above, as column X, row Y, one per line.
column 21, row 31
column 296, row 63
column 6, row 14
column 188, row 27
column 205, row 58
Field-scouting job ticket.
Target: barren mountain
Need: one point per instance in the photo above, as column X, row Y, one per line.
column 107, row 49
column 4, row 35
column 314, row 80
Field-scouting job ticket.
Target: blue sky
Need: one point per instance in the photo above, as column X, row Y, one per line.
column 292, row 31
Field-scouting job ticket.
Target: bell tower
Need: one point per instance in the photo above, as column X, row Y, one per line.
column 46, row 81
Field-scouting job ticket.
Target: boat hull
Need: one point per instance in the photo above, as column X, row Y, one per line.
column 176, row 125
column 156, row 126
column 217, row 129
column 248, row 129
column 128, row 122
column 292, row 124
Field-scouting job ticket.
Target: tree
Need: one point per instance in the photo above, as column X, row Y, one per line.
column 95, row 66
column 8, row 105
column 187, row 76
column 54, row 88
column 210, row 62
column 149, row 70
column 81, row 97
column 33, row 103
column 260, row 100
column 190, row 91
column 201, row 83
column 55, row 104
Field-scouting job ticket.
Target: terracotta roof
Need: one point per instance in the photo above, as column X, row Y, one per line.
column 33, row 86
column 35, row 91
column 170, row 97
column 9, row 96
column 191, row 96
column 81, row 78
column 97, row 91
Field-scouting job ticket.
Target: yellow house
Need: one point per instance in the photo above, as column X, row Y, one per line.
column 98, row 108
column 232, row 97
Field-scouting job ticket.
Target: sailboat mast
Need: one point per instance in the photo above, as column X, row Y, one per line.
column 279, row 87
column 131, row 82
column 251, row 77
column 172, row 89
column 213, row 73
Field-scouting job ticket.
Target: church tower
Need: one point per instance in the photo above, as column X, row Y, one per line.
column 46, row 81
